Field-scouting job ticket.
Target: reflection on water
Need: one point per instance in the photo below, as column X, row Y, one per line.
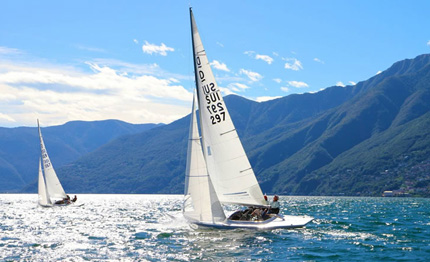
column 151, row 228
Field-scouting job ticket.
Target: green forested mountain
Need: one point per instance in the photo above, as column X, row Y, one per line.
column 378, row 140
column 353, row 140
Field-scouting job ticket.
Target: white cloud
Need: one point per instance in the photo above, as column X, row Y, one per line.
column 352, row 83
column 428, row 42
column 237, row 87
column 91, row 49
column 277, row 80
column 285, row 89
column 298, row 84
column 249, row 53
column 161, row 49
column 57, row 96
column 128, row 68
column 265, row 58
column 318, row 60
column 7, row 118
column 135, row 41
column 378, row 72
column 9, row 51
column 316, row 91
column 340, row 83
column 253, row 76
column 267, row 98
column 7, row 97
column 293, row 64
column 220, row 66
column 226, row 91
column 219, row 44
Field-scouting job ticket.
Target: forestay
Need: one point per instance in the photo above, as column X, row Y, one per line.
column 227, row 163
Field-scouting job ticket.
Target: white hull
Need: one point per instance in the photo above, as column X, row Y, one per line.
column 45, row 205
column 286, row 222
column 61, row 205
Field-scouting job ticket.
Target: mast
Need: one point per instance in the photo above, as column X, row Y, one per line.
column 194, row 27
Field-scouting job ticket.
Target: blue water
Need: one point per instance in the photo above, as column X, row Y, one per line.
column 151, row 228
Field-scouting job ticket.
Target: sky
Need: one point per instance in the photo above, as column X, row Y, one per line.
column 132, row 60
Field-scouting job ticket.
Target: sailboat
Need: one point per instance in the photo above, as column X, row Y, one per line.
column 50, row 190
column 218, row 171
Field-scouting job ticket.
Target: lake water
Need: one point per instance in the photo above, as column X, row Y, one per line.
column 151, row 228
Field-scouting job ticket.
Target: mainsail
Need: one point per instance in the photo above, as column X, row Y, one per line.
column 227, row 164
column 53, row 185
column 44, row 199
column 201, row 202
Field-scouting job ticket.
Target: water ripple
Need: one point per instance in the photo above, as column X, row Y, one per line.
column 151, row 228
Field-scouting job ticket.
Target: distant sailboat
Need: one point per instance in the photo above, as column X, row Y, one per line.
column 218, row 170
column 51, row 191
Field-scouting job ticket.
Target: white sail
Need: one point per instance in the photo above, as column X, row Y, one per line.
column 201, row 202
column 226, row 160
column 44, row 199
column 53, row 185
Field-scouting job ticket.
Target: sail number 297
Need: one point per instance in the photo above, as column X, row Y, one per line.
column 217, row 113
column 214, row 104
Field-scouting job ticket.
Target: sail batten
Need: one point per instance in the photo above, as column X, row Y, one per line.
column 227, row 132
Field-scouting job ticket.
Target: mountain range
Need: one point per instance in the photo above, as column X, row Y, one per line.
column 352, row 140
column 20, row 147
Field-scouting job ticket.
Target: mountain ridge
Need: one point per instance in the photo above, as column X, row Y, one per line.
column 20, row 148
column 352, row 140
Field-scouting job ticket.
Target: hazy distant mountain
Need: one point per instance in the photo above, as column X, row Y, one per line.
column 353, row 140
column 20, row 148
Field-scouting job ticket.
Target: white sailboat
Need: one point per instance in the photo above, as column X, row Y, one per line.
column 218, row 170
column 51, row 191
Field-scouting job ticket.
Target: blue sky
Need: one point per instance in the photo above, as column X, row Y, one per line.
column 131, row 60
